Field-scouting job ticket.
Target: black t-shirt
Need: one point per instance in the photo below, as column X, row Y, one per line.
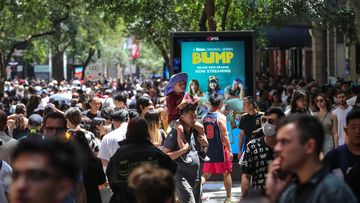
column 256, row 160
column 250, row 123
column 90, row 115
column 341, row 159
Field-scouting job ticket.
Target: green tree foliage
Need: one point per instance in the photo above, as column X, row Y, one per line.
column 152, row 21
column 82, row 27
column 23, row 21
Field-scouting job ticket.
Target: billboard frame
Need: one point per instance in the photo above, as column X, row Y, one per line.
column 250, row 50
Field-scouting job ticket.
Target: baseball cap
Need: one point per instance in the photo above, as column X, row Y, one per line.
column 213, row 79
column 35, row 120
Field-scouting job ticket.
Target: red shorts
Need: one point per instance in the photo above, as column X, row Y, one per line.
column 218, row 167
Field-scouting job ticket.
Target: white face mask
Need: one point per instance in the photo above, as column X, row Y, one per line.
column 269, row 129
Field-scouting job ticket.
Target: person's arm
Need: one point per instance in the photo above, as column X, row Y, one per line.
column 201, row 137
column 334, row 129
column 101, row 178
column 242, row 92
column 104, row 164
column 172, row 154
column 224, row 134
column 245, row 183
column 241, row 140
column 227, row 93
column 183, row 145
column 104, row 154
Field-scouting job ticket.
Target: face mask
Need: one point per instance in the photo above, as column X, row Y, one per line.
column 268, row 129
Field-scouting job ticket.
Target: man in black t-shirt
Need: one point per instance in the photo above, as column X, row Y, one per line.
column 259, row 153
column 249, row 122
column 95, row 105
column 344, row 158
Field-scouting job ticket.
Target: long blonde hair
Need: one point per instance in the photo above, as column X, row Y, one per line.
column 153, row 119
column 164, row 125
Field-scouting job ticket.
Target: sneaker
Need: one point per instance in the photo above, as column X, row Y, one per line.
column 205, row 197
column 186, row 159
column 227, row 200
column 203, row 156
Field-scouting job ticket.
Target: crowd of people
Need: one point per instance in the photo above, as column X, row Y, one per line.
column 153, row 140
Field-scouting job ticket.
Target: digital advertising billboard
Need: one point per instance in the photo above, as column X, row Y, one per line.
column 225, row 55
column 228, row 56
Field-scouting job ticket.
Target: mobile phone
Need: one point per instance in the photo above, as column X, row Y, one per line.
column 282, row 174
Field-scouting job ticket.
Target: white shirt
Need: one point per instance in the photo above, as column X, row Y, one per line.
column 109, row 143
column 341, row 116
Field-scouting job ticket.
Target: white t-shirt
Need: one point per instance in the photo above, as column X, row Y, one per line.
column 109, row 143
column 341, row 116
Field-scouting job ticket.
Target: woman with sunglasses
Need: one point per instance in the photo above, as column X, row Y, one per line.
column 322, row 110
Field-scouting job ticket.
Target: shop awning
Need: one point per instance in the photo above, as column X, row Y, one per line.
column 286, row 37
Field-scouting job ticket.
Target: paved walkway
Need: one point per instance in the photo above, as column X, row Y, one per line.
column 216, row 192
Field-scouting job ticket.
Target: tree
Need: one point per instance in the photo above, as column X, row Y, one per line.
column 78, row 36
column 90, row 30
column 153, row 27
column 23, row 21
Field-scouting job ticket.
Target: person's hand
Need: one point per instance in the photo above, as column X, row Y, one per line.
column 202, row 140
column 183, row 103
column 196, row 99
column 274, row 183
column 231, row 155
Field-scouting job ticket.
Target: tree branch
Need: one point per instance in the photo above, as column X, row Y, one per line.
column 25, row 42
column 210, row 14
column 224, row 17
column 164, row 53
column 90, row 55
column 60, row 20
column 65, row 47
column 202, row 23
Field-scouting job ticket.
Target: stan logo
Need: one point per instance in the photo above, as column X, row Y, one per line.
column 212, row 38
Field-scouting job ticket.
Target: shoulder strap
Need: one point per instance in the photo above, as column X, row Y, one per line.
column 1, row 163
column 343, row 159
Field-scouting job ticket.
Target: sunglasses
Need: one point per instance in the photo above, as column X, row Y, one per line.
column 319, row 100
column 269, row 120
